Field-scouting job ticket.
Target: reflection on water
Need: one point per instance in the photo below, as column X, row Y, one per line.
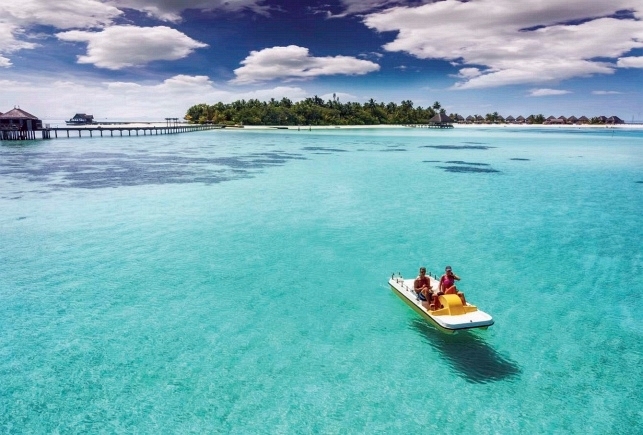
column 468, row 354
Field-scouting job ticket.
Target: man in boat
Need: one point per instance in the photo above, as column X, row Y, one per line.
column 447, row 284
column 422, row 287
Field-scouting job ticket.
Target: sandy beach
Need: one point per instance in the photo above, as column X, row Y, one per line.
column 153, row 124
column 460, row 126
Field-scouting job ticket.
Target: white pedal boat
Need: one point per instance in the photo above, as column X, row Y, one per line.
column 452, row 317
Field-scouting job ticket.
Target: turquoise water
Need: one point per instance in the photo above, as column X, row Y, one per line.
column 235, row 282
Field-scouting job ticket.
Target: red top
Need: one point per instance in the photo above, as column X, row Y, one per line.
column 422, row 281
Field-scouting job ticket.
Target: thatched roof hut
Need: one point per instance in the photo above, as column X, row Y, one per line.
column 18, row 119
column 441, row 119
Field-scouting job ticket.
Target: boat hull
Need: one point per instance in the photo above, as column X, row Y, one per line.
column 452, row 318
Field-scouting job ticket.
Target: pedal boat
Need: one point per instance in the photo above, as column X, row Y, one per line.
column 452, row 317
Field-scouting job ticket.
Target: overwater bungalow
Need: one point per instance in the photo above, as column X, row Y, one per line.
column 441, row 120
column 81, row 119
column 18, row 124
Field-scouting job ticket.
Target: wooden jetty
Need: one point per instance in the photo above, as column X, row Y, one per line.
column 435, row 125
column 123, row 130
column 47, row 132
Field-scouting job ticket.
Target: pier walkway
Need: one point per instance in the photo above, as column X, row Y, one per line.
column 101, row 131
column 111, row 131
column 431, row 125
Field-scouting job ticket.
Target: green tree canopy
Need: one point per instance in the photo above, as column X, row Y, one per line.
column 310, row 111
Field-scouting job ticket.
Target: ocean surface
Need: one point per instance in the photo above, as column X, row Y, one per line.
column 236, row 282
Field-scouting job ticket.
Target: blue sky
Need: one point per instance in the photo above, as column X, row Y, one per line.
column 152, row 59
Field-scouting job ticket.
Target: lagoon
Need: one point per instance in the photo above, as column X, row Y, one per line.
column 236, row 282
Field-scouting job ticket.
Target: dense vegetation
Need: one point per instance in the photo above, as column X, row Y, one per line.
column 311, row 111
column 315, row 111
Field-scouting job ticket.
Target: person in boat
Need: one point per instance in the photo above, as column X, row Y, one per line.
column 422, row 286
column 447, row 284
column 424, row 291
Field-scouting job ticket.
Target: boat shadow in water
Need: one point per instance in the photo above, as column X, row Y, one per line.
column 469, row 355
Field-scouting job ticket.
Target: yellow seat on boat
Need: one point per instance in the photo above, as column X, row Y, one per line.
column 452, row 304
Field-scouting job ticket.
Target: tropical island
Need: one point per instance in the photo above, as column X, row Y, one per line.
column 317, row 112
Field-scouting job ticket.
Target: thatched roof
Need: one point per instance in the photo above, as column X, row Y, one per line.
column 441, row 118
column 16, row 113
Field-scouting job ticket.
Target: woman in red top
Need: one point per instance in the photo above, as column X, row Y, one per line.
column 447, row 284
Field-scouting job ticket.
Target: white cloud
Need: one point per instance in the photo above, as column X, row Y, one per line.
column 630, row 62
column 468, row 73
column 118, row 47
column 56, row 99
column 61, row 14
column 294, row 62
column 606, row 92
column 170, row 10
column 529, row 43
column 18, row 17
column 547, row 92
column 9, row 42
column 362, row 6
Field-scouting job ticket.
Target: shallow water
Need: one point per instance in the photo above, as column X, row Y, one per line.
column 235, row 282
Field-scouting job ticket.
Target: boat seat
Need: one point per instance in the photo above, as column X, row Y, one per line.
column 452, row 304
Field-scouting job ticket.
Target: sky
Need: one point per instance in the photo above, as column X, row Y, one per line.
column 153, row 59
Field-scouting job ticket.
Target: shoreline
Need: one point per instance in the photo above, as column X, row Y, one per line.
column 455, row 126
column 143, row 124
